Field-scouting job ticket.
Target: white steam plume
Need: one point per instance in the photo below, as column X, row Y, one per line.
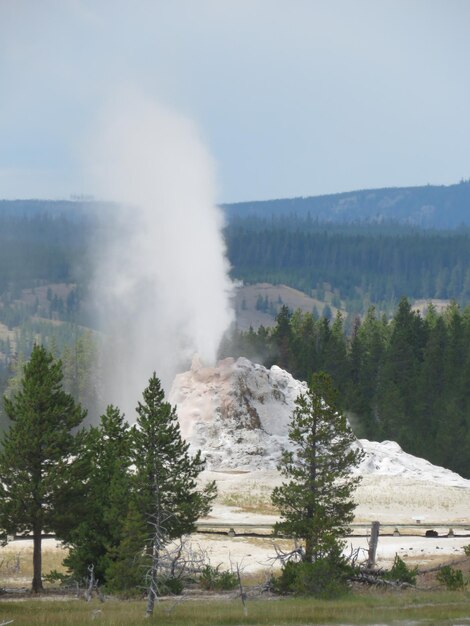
column 162, row 281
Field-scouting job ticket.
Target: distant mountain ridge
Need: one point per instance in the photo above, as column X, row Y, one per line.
column 74, row 210
column 429, row 206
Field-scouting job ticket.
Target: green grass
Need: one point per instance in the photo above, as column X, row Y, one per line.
column 384, row 608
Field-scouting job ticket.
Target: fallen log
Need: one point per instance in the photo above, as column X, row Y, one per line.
column 372, row 579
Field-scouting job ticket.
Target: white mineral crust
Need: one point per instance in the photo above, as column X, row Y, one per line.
column 238, row 413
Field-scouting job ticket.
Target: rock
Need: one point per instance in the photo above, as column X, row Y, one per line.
column 236, row 413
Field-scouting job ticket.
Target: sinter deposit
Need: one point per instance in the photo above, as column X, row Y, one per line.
column 238, row 413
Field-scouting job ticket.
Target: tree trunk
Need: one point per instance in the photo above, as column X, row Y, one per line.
column 153, row 590
column 311, row 541
column 36, row 586
column 308, row 556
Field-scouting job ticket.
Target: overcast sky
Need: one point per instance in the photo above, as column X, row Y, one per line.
column 292, row 97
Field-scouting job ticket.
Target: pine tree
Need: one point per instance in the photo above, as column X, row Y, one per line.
column 397, row 399
column 166, row 490
column 126, row 571
column 95, row 540
column 81, row 369
column 334, row 353
column 40, row 467
column 283, row 338
column 431, row 392
column 316, row 503
column 372, row 337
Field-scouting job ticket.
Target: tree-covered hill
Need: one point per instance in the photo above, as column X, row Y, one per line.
column 74, row 210
column 359, row 262
column 428, row 206
column 367, row 246
column 360, row 265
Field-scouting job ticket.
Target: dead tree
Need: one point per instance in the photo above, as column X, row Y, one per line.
column 297, row 554
column 92, row 585
column 242, row 591
column 182, row 558
column 157, row 542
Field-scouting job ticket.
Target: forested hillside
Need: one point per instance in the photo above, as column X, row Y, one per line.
column 361, row 264
column 429, row 206
column 405, row 380
column 44, row 274
column 367, row 247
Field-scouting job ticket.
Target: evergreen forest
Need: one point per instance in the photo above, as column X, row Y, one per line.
column 362, row 264
column 401, row 375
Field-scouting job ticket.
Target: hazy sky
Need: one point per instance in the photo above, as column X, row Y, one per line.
column 291, row 97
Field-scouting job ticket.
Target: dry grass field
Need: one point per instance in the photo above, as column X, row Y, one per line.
column 16, row 561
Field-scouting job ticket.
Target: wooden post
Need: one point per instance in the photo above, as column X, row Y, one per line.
column 374, row 540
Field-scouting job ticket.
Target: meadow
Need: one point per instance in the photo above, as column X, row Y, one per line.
column 397, row 608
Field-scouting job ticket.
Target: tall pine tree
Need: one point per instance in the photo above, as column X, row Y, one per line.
column 167, row 495
column 95, row 540
column 316, row 503
column 40, row 465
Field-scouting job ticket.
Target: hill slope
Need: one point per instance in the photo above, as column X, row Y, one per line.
column 429, row 206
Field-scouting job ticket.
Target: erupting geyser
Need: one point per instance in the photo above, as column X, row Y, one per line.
column 162, row 281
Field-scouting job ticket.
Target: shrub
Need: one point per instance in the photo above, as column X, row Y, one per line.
column 466, row 549
column 171, row 586
column 58, row 577
column 451, row 578
column 212, row 579
column 400, row 572
column 286, row 581
column 326, row 577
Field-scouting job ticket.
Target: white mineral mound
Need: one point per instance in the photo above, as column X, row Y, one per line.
column 238, row 413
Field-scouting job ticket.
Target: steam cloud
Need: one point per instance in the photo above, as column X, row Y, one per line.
column 162, row 281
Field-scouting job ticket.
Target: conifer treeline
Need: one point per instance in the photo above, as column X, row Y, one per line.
column 42, row 247
column 406, row 379
column 370, row 263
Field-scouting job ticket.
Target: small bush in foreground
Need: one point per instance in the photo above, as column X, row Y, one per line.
column 171, row 586
column 325, row 578
column 400, row 572
column 212, row 579
column 451, row 578
column 466, row 549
